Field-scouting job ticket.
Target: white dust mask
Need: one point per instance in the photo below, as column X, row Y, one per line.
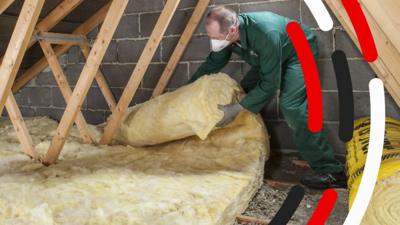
column 218, row 45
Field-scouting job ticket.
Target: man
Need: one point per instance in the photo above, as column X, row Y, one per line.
column 261, row 40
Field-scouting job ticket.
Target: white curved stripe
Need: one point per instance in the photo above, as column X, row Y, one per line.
column 375, row 148
column 320, row 14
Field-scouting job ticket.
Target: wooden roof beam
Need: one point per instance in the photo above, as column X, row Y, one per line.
column 4, row 4
column 83, row 29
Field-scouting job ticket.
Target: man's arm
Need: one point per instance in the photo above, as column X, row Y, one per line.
column 270, row 53
column 213, row 64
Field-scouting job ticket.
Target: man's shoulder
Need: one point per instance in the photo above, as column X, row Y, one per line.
column 265, row 23
column 260, row 15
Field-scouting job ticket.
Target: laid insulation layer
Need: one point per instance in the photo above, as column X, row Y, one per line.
column 190, row 110
column 384, row 207
column 185, row 182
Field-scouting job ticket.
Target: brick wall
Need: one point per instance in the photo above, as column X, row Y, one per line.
column 42, row 97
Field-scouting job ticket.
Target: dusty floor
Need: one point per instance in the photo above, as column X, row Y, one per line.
column 269, row 199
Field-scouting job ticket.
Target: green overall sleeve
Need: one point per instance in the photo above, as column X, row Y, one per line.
column 269, row 49
column 213, row 64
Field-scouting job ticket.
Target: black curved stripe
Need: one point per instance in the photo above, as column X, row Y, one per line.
column 289, row 206
column 345, row 92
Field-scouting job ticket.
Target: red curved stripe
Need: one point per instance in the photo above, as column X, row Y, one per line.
column 362, row 29
column 311, row 77
column 324, row 208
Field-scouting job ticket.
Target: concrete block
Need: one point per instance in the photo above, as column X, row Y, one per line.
column 128, row 27
column 45, row 79
column 53, row 113
column 138, row 6
column 198, row 48
column 35, row 96
column 325, row 43
column 117, row 75
column 94, row 116
column 111, row 53
column 95, row 100
column 343, row 42
column 288, row 9
column 129, row 51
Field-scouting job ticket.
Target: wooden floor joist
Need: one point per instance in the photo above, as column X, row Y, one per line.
column 85, row 80
column 251, row 220
column 139, row 71
column 181, row 46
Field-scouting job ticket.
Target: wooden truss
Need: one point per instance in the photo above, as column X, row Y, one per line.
column 10, row 64
column 109, row 16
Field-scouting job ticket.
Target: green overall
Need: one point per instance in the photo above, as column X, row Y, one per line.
column 265, row 45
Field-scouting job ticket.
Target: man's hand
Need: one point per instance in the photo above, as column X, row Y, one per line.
column 230, row 113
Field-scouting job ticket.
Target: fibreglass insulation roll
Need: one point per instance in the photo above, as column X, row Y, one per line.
column 188, row 111
column 384, row 207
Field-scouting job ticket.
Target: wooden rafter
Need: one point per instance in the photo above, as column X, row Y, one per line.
column 86, row 78
column 101, row 80
column 20, row 127
column 4, row 4
column 13, row 57
column 111, row 15
column 17, row 46
column 65, row 89
column 139, row 71
column 54, row 17
column 83, row 29
column 181, row 47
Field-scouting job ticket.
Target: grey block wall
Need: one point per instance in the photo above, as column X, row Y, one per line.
column 42, row 96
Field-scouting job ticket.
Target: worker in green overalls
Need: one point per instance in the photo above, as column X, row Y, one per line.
column 261, row 40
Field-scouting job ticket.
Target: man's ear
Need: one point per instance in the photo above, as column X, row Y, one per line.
column 232, row 29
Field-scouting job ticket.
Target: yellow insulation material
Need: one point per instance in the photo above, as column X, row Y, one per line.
column 384, row 207
column 185, row 182
column 190, row 110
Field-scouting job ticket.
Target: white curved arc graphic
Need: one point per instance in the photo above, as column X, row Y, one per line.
column 320, row 14
column 375, row 148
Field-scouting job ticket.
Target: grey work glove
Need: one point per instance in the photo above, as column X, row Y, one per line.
column 230, row 113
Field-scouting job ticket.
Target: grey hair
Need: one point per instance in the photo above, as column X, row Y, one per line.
column 226, row 17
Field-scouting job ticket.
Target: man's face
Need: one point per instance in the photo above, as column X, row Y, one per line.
column 213, row 30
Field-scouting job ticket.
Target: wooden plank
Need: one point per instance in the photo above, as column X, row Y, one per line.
column 139, row 71
column 278, row 184
column 86, row 78
column 301, row 163
column 386, row 15
column 387, row 65
column 4, row 4
column 57, row 14
column 83, row 29
column 181, row 47
column 251, row 220
column 65, row 89
column 17, row 46
column 20, row 127
column 101, row 80
column 54, row 17
column 61, row 39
